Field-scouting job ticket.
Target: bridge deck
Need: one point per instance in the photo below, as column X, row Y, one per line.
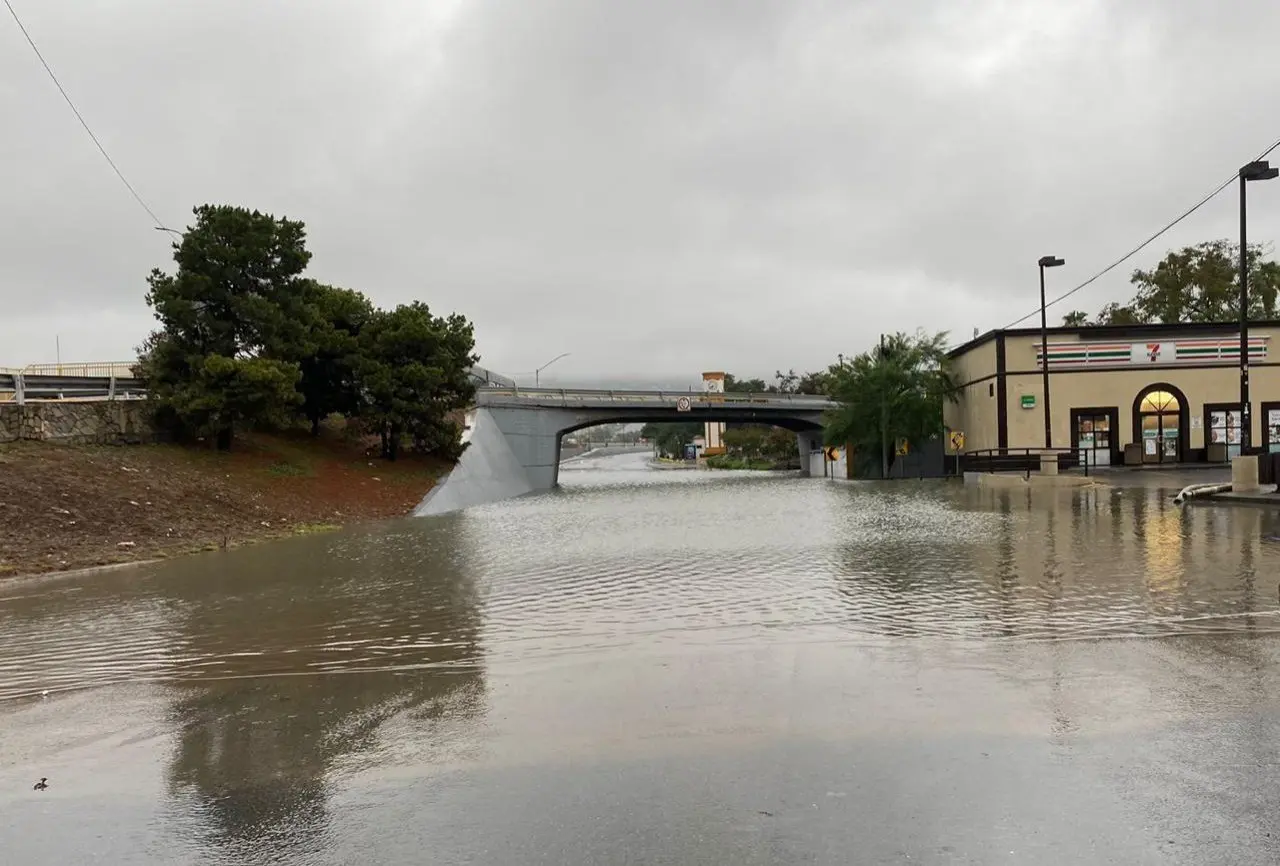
column 585, row 398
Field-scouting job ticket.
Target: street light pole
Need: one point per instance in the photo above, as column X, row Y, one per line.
column 538, row 372
column 1046, row 262
column 1259, row 170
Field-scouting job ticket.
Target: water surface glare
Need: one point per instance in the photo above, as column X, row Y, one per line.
column 668, row 667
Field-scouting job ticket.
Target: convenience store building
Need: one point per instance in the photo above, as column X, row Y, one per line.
column 1118, row 394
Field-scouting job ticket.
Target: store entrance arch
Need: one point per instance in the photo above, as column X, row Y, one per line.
column 1160, row 422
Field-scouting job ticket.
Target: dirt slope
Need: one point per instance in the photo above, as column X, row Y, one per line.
column 66, row 507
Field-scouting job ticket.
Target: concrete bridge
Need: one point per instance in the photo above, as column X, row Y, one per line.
column 516, row 432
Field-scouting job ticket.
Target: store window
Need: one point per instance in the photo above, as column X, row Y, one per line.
column 1223, row 423
column 1094, row 429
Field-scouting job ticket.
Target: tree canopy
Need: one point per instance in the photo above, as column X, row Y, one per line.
column 1196, row 284
column 246, row 340
column 671, row 437
column 893, row 391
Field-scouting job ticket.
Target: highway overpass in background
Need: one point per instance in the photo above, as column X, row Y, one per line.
column 516, row 433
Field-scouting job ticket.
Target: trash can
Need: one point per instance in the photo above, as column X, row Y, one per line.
column 1268, row 468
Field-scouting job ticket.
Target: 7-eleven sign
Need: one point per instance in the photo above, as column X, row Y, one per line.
column 1151, row 353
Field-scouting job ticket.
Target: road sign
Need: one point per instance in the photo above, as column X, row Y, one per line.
column 684, row 404
column 833, row 454
column 957, row 440
column 901, row 447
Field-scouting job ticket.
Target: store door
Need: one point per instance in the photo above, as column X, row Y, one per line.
column 1093, row 430
column 1160, row 412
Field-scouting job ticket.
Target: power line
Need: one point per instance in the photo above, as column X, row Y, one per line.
column 1140, row 247
column 155, row 219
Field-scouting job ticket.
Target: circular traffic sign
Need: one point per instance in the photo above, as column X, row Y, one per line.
column 684, row 404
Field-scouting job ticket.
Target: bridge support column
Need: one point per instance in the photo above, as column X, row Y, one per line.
column 513, row 451
column 806, row 443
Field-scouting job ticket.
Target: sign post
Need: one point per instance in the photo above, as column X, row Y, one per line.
column 955, row 439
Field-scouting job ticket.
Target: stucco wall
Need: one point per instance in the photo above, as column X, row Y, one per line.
column 97, row 422
column 1108, row 383
column 974, row 412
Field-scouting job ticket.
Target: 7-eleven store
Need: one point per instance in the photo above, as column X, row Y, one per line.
column 1119, row 394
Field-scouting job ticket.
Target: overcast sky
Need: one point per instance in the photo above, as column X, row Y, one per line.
column 657, row 186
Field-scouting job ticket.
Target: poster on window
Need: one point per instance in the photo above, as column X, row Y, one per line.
column 1273, row 430
column 1224, row 427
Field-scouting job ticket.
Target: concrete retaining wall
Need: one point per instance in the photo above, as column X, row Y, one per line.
column 89, row 422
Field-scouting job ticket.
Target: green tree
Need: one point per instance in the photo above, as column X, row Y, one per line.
column 760, row 442
column 233, row 309
column 1075, row 319
column 1118, row 314
column 894, row 391
column 414, row 373
column 1196, row 284
column 671, row 437
column 734, row 385
column 747, row 440
column 1201, row 284
column 330, row 381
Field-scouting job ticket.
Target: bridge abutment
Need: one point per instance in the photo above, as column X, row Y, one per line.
column 806, row 443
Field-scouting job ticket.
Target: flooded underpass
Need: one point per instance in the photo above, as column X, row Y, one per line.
column 667, row 668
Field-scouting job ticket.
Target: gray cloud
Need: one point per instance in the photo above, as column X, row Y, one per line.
column 657, row 187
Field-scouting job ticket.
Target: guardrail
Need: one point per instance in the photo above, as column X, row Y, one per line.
column 22, row 387
column 1023, row 460
column 696, row 398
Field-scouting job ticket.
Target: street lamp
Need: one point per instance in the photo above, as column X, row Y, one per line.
column 538, row 372
column 1258, row 170
column 171, row 231
column 1046, row 262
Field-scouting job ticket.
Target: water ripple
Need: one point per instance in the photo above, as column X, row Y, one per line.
column 626, row 559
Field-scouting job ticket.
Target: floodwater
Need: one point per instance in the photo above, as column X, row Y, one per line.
column 668, row 668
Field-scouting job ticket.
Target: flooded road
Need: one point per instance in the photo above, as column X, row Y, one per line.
column 668, row 668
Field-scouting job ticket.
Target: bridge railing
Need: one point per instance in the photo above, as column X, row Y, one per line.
column 23, row 387
column 695, row 398
column 85, row 369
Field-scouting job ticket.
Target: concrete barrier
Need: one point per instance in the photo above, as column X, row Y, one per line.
column 1244, row 475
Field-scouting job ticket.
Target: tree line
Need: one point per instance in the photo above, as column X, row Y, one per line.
column 246, row 340
column 1196, row 284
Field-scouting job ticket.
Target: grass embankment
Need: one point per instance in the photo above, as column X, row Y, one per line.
column 65, row 507
column 726, row 461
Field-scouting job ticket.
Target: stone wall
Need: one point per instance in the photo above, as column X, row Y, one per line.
column 88, row 422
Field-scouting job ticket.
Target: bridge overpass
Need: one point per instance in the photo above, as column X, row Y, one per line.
column 516, row 433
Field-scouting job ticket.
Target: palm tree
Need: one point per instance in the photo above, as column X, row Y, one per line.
column 894, row 391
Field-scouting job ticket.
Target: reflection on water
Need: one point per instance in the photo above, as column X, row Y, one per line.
column 301, row 665
column 683, row 602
